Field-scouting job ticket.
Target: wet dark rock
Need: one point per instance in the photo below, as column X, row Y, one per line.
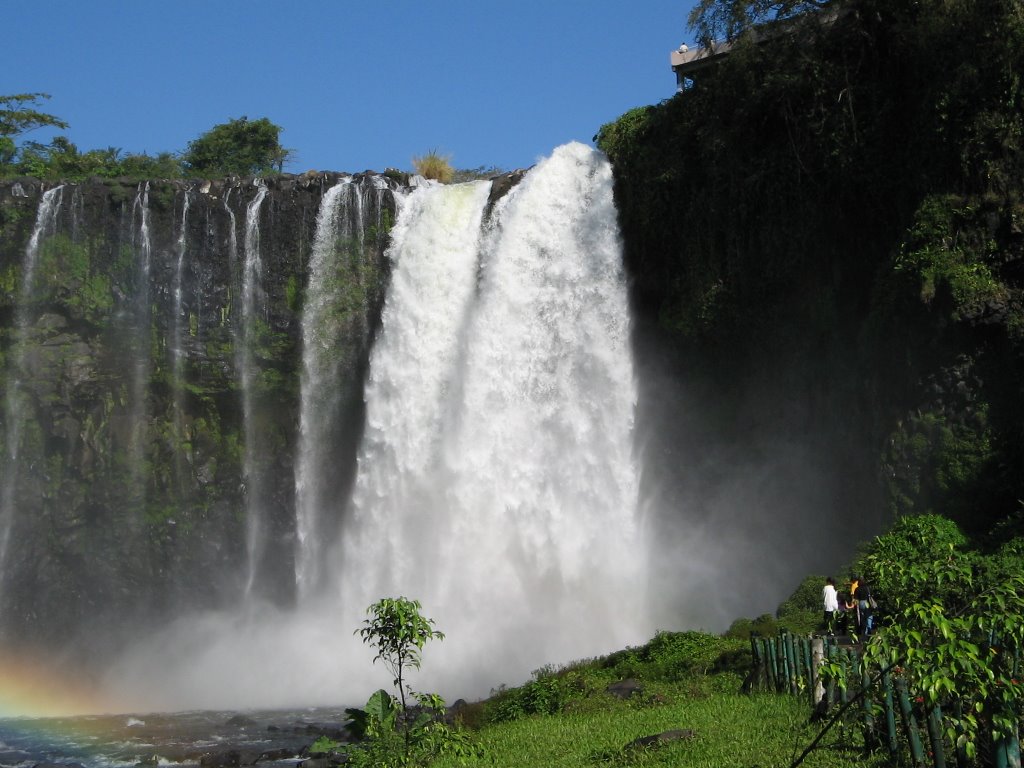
column 625, row 689
column 659, row 739
column 240, row 721
column 87, row 423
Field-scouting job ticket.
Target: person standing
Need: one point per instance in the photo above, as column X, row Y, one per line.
column 864, row 611
column 830, row 600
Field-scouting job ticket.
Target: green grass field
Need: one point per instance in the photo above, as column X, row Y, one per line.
column 729, row 729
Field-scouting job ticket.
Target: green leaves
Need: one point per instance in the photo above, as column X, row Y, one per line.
column 18, row 114
column 242, row 147
column 397, row 735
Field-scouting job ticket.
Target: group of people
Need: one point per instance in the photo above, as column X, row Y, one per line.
column 851, row 612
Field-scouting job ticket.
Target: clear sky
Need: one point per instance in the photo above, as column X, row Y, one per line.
column 355, row 85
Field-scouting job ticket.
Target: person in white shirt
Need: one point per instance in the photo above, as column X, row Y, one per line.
column 831, row 603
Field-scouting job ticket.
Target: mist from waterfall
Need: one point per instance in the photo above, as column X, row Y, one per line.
column 14, row 410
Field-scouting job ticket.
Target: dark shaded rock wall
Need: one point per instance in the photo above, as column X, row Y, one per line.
column 129, row 498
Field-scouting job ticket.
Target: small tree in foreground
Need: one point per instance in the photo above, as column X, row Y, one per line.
column 397, row 629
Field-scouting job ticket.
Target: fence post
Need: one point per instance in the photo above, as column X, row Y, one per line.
column 1007, row 752
column 772, row 664
column 812, row 671
column 890, row 714
column 817, row 659
column 935, row 737
column 791, row 657
column 909, row 723
column 870, row 735
column 830, row 692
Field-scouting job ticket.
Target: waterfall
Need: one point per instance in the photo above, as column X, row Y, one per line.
column 246, row 363
column 477, row 457
column 178, row 343
column 496, row 481
column 142, row 247
column 334, row 320
column 16, row 410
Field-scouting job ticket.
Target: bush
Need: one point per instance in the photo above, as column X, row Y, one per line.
column 434, row 166
column 801, row 612
column 546, row 694
column 241, row 147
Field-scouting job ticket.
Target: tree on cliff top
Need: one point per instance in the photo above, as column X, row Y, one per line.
column 240, row 147
column 18, row 115
column 715, row 20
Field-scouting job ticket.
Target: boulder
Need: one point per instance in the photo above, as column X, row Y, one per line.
column 658, row 739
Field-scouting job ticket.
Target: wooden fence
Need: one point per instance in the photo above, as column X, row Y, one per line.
column 890, row 719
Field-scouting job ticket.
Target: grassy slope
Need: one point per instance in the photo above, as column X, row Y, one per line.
column 729, row 729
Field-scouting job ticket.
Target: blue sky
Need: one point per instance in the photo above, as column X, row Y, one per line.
column 355, row 85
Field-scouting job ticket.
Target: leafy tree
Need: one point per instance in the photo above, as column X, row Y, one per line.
column 240, row 147
column 714, row 20
column 399, row 631
column 18, row 115
column 956, row 626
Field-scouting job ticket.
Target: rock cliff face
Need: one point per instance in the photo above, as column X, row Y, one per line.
column 143, row 330
column 828, row 231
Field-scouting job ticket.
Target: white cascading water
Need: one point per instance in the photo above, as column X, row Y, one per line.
column 334, row 326
column 252, row 270
column 497, row 482
column 316, row 385
column 142, row 247
column 15, row 411
column 178, row 344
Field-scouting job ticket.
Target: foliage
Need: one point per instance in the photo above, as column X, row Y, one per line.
column 713, row 20
column 240, row 147
column 480, row 173
column 945, row 251
column 435, row 166
column 801, row 215
column 18, row 115
column 765, row 625
column 956, row 626
column 398, row 735
column 672, row 656
column 398, row 631
column 920, row 558
column 545, row 694
column 61, row 159
column 801, row 613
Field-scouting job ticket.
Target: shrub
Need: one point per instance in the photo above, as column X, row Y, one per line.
column 801, row 612
column 546, row 694
column 242, row 147
column 434, row 166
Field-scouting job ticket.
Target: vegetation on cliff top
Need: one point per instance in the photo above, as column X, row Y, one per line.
column 238, row 147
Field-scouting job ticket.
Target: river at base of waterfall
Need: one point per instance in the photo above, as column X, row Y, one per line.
column 215, row 739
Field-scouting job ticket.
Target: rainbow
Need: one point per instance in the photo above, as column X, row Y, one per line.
column 34, row 687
